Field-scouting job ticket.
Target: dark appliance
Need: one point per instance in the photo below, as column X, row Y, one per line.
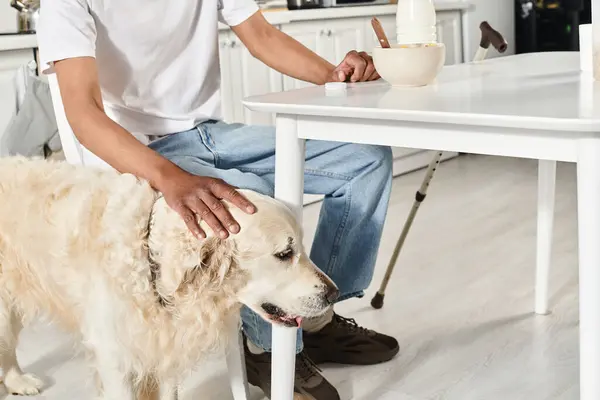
column 549, row 25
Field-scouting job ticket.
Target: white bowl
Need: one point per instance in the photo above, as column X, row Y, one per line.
column 410, row 65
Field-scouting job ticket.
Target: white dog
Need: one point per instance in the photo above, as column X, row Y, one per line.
column 104, row 257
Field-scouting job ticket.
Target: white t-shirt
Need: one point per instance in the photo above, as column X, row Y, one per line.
column 158, row 60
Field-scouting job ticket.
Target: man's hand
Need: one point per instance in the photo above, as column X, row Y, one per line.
column 356, row 67
column 196, row 196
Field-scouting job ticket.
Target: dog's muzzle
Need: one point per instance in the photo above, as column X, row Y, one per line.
column 277, row 315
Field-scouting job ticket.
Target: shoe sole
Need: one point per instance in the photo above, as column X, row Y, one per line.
column 267, row 392
column 319, row 359
column 266, row 388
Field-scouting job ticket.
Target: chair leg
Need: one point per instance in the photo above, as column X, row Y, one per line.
column 236, row 364
column 545, row 221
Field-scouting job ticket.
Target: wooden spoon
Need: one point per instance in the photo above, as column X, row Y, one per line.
column 383, row 40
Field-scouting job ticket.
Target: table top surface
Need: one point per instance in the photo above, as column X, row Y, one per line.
column 532, row 91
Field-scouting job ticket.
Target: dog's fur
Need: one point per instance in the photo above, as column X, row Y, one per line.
column 103, row 255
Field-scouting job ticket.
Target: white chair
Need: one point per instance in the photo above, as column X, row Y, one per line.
column 75, row 153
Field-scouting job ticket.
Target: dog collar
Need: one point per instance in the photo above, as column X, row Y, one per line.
column 154, row 265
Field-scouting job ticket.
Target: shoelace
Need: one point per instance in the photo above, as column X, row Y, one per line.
column 351, row 325
column 305, row 367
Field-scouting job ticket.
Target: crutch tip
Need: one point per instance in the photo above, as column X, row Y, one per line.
column 377, row 301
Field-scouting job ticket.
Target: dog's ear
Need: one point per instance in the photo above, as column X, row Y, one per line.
column 215, row 260
column 184, row 259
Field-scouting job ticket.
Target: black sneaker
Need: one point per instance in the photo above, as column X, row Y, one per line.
column 309, row 385
column 342, row 341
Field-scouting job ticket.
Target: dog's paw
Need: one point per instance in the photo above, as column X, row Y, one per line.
column 24, row 385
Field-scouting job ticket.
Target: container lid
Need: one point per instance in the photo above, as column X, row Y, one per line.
column 331, row 86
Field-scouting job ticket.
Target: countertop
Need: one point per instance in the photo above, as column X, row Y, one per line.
column 283, row 17
column 286, row 16
column 17, row 41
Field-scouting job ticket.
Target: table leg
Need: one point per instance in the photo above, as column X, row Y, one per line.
column 546, row 199
column 289, row 188
column 588, row 202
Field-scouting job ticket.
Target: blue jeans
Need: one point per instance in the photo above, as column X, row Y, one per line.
column 355, row 179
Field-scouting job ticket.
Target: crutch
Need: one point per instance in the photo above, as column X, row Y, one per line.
column 488, row 36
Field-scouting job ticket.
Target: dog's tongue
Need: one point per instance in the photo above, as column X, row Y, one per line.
column 299, row 321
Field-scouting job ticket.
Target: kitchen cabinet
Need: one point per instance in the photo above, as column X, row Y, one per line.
column 242, row 76
column 313, row 36
column 342, row 36
column 449, row 32
column 258, row 79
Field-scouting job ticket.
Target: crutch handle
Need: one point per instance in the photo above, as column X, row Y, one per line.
column 491, row 36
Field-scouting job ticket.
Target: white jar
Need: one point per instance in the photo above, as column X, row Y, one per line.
column 416, row 22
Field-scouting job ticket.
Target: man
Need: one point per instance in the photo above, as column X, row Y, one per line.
column 140, row 85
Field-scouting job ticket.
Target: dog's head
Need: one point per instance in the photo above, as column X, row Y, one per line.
column 264, row 265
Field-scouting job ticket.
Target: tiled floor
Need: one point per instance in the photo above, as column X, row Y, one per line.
column 460, row 302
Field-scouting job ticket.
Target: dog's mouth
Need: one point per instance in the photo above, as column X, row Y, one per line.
column 278, row 316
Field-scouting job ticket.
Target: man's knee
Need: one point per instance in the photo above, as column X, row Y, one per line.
column 379, row 158
column 387, row 159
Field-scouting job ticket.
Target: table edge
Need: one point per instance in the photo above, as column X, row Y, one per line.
column 434, row 117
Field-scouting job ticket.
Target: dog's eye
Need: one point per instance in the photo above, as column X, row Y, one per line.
column 285, row 255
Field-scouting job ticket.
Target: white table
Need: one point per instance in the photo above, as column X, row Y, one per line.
column 535, row 106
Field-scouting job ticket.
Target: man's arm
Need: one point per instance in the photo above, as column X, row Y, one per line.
column 185, row 193
column 286, row 55
column 96, row 131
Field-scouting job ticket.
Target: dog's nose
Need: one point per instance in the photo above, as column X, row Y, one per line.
column 332, row 294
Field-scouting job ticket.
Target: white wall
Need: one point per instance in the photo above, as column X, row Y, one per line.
column 500, row 15
column 8, row 17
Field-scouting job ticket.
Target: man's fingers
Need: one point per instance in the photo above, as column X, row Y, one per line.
column 368, row 72
column 358, row 65
column 217, row 208
column 189, row 217
column 202, row 211
column 338, row 75
column 230, row 194
column 370, row 66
